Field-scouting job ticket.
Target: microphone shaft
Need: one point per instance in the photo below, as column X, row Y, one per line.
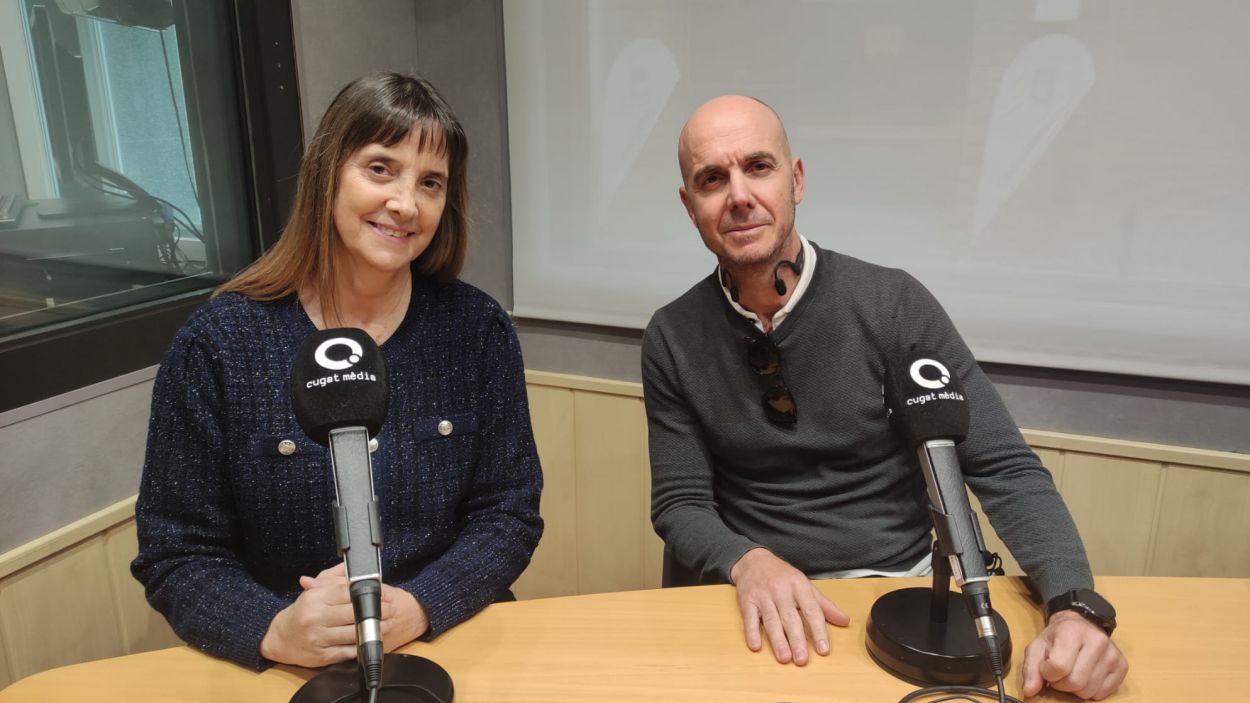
column 958, row 533
column 959, row 536
column 358, row 532
column 357, row 526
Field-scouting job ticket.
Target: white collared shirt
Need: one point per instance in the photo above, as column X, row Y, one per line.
column 805, row 277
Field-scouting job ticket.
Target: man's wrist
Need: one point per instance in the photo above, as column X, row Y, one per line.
column 1086, row 604
column 744, row 562
column 1068, row 615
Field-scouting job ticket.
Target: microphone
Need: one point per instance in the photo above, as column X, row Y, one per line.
column 928, row 409
column 339, row 391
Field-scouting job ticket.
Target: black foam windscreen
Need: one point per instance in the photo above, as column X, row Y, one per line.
column 338, row 380
column 926, row 401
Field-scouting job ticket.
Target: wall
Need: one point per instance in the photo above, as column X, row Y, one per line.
column 71, row 455
column 463, row 61
column 336, row 42
column 460, row 49
column 68, row 597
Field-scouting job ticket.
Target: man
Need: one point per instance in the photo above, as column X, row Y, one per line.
column 772, row 458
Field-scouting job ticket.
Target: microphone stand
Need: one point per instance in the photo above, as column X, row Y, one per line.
column 927, row 635
column 405, row 678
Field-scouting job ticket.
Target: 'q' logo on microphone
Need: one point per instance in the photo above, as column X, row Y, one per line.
column 944, row 376
column 356, row 352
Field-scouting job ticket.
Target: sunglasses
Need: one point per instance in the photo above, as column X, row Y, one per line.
column 765, row 360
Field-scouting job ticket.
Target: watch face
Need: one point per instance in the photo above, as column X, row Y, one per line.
column 1095, row 603
column 1088, row 603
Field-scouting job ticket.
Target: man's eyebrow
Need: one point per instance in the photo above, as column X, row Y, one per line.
column 754, row 156
column 704, row 171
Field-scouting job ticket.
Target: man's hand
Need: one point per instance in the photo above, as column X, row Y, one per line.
column 1075, row 656
column 780, row 596
column 319, row 628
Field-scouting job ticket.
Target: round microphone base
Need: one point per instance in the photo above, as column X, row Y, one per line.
column 905, row 641
column 405, row 679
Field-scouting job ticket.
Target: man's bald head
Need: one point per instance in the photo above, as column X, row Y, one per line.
column 728, row 114
column 740, row 185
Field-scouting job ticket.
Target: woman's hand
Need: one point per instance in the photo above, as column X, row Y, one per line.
column 403, row 618
column 319, row 628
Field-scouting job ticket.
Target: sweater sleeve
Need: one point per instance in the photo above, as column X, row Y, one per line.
column 189, row 535
column 683, row 504
column 1016, row 491
column 502, row 524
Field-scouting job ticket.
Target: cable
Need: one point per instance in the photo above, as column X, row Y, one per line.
column 167, row 248
column 136, row 192
column 173, row 99
column 968, row 693
column 993, row 563
column 432, row 696
column 171, row 254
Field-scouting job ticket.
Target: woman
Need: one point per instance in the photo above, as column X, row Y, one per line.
column 236, row 544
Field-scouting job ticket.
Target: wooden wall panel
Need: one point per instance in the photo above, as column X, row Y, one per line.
column 6, row 678
column 142, row 628
column 610, row 460
column 1054, row 461
column 652, row 545
column 1203, row 525
column 60, row 611
column 1113, row 503
column 553, row 570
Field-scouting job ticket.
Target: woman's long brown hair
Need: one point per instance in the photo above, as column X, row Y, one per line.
column 377, row 109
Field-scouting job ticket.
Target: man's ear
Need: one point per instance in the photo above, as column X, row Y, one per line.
column 798, row 181
column 685, row 201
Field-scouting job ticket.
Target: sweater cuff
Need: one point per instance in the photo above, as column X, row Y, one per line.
column 1051, row 585
column 441, row 600
column 240, row 635
column 723, row 559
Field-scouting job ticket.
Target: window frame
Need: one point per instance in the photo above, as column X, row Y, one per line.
column 60, row 358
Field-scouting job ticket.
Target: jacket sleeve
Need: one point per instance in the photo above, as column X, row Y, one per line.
column 189, row 534
column 502, row 522
column 683, row 506
column 1016, row 491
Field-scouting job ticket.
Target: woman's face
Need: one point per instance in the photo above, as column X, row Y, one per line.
column 388, row 205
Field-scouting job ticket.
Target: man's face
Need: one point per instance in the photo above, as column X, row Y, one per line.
column 741, row 185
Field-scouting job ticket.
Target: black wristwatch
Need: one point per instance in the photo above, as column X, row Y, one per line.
column 1088, row 604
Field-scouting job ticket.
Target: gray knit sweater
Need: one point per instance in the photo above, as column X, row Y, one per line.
column 838, row 490
column 228, row 522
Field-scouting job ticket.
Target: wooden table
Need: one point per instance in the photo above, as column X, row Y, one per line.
column 1186, row 640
